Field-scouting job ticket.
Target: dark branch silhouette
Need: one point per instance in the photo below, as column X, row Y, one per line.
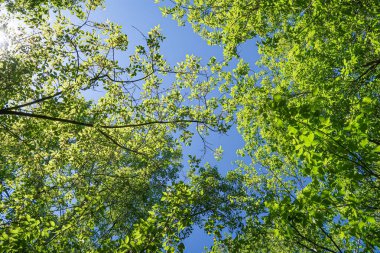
column 74, row 122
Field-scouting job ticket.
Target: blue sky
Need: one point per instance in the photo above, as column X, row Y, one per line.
column 144, row 15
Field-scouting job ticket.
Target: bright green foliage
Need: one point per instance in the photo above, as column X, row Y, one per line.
column 77, row 174
column 101, row 175
column 310, row 118
column 184, row 205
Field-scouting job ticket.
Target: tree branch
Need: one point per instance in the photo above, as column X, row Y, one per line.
column 33, row 102
column 309, row 240
column 119, row 145
column 331, row 239
column 74, row 122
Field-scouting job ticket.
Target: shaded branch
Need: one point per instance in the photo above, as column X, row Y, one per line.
column 74, row 122
column 33, row 102
column 309, row 240
column 331, row 239
column 119, row 145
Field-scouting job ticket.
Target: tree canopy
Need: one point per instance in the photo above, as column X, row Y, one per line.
column 80, row 174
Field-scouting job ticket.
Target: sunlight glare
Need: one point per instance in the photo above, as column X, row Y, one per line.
column 4, row 40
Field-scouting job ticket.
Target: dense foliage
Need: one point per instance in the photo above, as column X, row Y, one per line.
column 79, row 167
column 310, row 118
column 101, row 174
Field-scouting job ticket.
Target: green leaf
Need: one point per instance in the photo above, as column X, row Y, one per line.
column 371, row 220
column 5, row 236
column 277, row 97
column 367, row 100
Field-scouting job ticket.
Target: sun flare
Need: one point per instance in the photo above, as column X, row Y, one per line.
column 10, row 30
column 4, row 40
